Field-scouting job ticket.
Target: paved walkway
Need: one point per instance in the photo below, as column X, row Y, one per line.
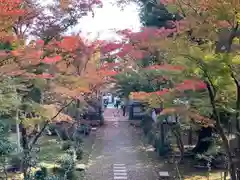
column 114, row 115
column 118, row 152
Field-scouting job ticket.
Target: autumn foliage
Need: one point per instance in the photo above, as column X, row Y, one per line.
column 67, row 63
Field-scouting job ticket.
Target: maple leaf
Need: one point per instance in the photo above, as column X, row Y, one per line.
column 29, row 75
column 168, row 111
column 16, row 73
column 70, row 43
column 40, row 43
column 191, row 85
column 52, row 110
column 52, row 60
column 44, row 76
column 205, row 121
column 11, row 8
column 107, row 48
column 110, row 65
column 161, row 93
column 139, row 95
column 108, row 73
column 138, row 54
column 165, row 67
column 17, row 53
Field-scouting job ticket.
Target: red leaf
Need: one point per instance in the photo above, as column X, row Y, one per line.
column 107, row 48
column 166, row 67
column 110, row 65
column 191, row 85
column 223, row 24
column 138, row 54
column 16, row 73
column 40, row 42
column 161, row 92
column 71, row 43
column 52, row 60
column 45, row 76
column 108, row 73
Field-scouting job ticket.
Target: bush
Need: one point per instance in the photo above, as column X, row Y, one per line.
column 62, row 133
column 41, row 174
column 52, row 129
column 78, row 139
column 67, row 167
column 72, row 153
column 16, row 161
column 76, row 153
column 66, row 145
column 79, row 153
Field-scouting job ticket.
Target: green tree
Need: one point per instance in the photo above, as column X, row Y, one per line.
column 154, row 14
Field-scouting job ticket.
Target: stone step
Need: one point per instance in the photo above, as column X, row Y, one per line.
column 164, row 174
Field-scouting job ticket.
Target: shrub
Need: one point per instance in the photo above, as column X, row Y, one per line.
column 62, row 133
column 16, row 161
column 66, row 145
column 79, row 153
column 52, row 129
column 67, row 167
column 78, row 139
column 72, row 152
column 41, row 174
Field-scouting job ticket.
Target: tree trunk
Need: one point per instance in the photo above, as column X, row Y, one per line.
column 237, row 112
column 204, row 141
column 180, row 144
column 231, row 165
column 77, row 115
column 18, row 133
column 220, row 130
column 26, row 156
column 190, row 136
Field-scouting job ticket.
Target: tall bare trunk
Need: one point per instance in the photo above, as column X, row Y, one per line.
column 26, row 155
column 190, row 134
column 18, row 133
column 231, row 166
column 237, row 112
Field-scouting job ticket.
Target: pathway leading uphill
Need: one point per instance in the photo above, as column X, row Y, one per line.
column 118, row 153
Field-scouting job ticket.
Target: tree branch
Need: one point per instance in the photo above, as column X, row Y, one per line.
column 46, row 124
column 202, row 65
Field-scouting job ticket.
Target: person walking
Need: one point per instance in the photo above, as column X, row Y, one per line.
column 124, row 109
column 105, row 103
column 118, row 102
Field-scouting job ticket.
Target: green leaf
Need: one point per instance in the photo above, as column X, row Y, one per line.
column 172, row 8
column 238, row 17
column 236, row 59
column 209, row 57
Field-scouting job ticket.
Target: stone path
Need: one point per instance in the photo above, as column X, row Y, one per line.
column 118, row 153
column 114, row 115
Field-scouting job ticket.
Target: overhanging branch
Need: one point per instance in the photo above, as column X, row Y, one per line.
column 46, row 124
